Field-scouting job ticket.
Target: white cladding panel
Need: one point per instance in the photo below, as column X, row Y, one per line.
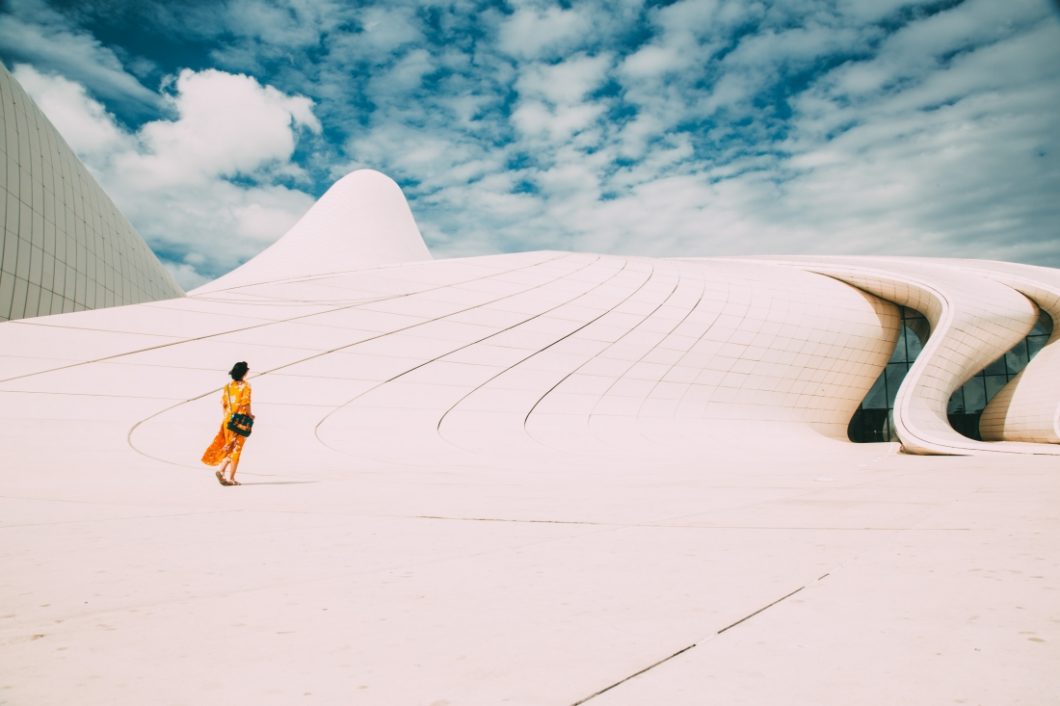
column 65, row 246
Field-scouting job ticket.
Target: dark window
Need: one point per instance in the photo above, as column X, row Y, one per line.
column 994, row 383
column 1016, row 359
column 967, row 403
column 956, row 405
column 1035, row 344
column 975, row 394
column 877, row 397
column 997, row 367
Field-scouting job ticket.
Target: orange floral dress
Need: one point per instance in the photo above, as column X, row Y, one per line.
column 235, row 399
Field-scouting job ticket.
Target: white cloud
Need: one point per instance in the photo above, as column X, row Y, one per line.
column 169, row 178
column 760, row 59
column 532, row 33
column 546, row 127
column 696, row 16
column 227, row 125
column 411, row 152
column 876, row 169
column 637, row 133
column 82, row 121
column 917, row 50
column 569, row 178
column 959, row 160
column 863, row 11
column 255, row 35
column 682, row 43
column 404, row 77
column 33, row 32
column 284, row 23
column 388, row 28
column 265, row 211
column 566, row 82
column 666, row 78
column 212, row 226
column 186, row 275
column 794, row 46
column 557, row 124
column 553, row 101
column 653, row 61
column 969, row 24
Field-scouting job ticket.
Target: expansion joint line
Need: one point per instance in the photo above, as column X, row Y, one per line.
column 763, row 608
column 689, row 647
column 326, row 417
column 609, row 346
column 264, row 324
column 441, row 419
column 634, row 675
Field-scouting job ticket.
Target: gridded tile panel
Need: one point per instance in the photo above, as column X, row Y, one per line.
column 635, row 339
column 736, row 341
column 65, row 246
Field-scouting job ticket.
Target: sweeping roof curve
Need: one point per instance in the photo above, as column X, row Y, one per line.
column 363, row 220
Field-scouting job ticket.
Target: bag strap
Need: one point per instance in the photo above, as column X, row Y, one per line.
column 233, row 395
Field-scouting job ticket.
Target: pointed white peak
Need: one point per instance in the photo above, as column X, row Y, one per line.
column 362, row 221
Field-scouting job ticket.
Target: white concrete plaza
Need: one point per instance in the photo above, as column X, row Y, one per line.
column 920, row 580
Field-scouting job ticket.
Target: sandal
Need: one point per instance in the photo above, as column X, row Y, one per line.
column 221, row 479
column 234, row 482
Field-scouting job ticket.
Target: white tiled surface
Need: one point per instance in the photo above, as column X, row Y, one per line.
column 64, row 246
column 671, row 353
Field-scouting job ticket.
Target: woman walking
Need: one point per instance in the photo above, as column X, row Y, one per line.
column 235, row 426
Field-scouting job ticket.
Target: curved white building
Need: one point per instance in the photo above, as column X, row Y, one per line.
column 64, row 245
column 536, row 478
column 977, row 312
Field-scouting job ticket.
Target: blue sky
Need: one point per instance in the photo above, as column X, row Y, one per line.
column 696, row 127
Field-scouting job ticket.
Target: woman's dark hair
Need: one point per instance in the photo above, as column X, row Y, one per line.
column 239, row 370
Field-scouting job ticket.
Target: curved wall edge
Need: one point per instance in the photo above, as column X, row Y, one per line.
column 974, row 319
column 1028, row 407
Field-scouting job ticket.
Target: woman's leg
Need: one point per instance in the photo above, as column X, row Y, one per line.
column 232, row 474
column 232, row 462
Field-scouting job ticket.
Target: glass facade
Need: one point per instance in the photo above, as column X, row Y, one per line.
column 874, row 420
